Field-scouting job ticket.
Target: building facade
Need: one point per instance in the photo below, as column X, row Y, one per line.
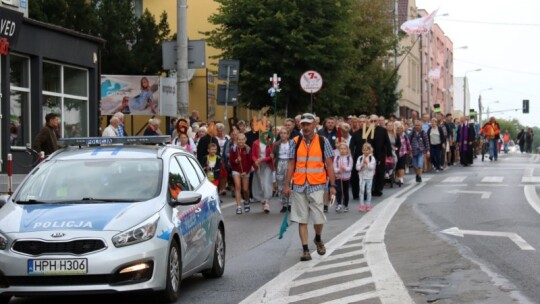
column 43, row 69
column 437, row 70
column 409, row 63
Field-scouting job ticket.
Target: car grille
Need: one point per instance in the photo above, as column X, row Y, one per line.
column 73, row 247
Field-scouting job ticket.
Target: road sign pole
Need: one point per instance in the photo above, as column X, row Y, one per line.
column 311, row 99
column 225, row 122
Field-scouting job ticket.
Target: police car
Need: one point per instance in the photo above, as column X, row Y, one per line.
column 111, row 215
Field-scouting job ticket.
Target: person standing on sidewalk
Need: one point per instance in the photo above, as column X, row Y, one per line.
column 280, row 155
column 310, row 162
column 46, row 138
column 343, row 163
column 420, row 147
column 365, row 165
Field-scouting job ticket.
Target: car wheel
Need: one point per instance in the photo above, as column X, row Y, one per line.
column 173, row 275
column 218, row 265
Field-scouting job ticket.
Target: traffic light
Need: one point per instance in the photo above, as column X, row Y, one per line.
column 525, row 106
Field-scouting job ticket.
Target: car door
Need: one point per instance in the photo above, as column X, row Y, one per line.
column 183, row 216
column 194, row 220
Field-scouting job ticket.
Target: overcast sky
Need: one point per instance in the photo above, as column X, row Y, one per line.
column 502, row 39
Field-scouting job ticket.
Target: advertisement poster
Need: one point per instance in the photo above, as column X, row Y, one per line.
column 136, row 95
column 168, row 105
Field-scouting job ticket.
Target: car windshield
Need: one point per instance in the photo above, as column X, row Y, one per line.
column 83, row 181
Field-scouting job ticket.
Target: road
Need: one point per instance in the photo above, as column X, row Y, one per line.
column 408, row 249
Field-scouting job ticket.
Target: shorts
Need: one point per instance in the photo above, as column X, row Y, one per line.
column 418, row 161
column 238, row 173
column 307, row 205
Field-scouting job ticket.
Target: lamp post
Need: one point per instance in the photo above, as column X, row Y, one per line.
column 465, row 89
column 480, row 104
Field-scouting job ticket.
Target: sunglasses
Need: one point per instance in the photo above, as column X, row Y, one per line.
column 307, row 116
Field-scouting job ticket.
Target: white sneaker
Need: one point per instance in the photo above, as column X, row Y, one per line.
column 339, row 209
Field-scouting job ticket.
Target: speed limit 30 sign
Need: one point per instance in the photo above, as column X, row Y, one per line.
column 311, row 82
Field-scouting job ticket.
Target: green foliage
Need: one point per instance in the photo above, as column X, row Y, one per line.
column 287, row 38
column 345, row 41
column 133, row 45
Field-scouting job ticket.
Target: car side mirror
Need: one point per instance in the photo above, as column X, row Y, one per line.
column 186, row 198
column 3, row 199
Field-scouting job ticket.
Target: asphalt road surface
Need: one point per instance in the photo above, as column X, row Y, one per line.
column 464, row 235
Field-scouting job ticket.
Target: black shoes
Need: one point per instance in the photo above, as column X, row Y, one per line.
column 325, row 209
column 418, row 179
column 305, row 256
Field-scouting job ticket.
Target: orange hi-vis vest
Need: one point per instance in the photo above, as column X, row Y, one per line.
column 309, row 163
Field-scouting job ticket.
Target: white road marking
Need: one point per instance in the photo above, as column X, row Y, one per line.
column 492, row 179
column 532, row 197
column 451, row 185
column 530, row 179
column 329, row 276
column 389, row 286
column 326, row 290
column 485, row 194
column 528, row 172
column 454, row 179
column 514, row 237
column 354, row 298
column 360, row 246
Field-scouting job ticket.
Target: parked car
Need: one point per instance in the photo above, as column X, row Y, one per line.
column 124, row 214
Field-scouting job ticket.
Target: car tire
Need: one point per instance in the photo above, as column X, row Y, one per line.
column 5, row 299
column 173, row 275
column 218, row 264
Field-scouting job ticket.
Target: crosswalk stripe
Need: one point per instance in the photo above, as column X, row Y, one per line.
column 328, row 276
column 492, row 179
column 330, row 266
column 329, row 289
column 454, row 179
column 347, row 254
column 354, row 298
column 530, row 179
column 359, row 245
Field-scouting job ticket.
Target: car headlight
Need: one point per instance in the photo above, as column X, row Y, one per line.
column 140, row 233
column 3, row 242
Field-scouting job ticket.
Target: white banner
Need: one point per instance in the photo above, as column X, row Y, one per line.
column 435, row 73
column 168, row 105
column 419, row 25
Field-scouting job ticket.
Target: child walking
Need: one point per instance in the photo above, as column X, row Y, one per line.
column 343, row 164
column 365, row 165
column 280, row 155
column 213, row 164
column 240, row 159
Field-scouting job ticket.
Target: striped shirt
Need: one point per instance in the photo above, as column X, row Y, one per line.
column 328, row 153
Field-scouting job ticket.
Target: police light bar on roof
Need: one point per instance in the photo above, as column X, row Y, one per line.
column 132, row 140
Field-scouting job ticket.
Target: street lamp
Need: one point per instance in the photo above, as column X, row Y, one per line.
column 465, row 89
column 480, row 104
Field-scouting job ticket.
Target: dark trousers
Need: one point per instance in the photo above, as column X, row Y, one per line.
column 378, row 179
column 355, row 184
column 342, row 191
column 435, row 151
column 452, row 154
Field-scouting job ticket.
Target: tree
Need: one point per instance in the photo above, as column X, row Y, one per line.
column 287, row 38
column 371, row 80
column 133, row 45
column 77, row 15
column 147, row 46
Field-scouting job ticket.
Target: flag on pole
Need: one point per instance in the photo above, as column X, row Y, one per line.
column 419, row 25
column 435, row 73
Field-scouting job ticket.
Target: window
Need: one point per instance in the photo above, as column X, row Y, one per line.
column 177, row 177
column 65, row 91
column 19, row 100
column 189, row 170
column 198, row 168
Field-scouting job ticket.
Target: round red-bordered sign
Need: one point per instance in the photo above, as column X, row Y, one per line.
column 311, row 82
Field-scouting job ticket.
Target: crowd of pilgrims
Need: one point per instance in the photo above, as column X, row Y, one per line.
column 370, row 152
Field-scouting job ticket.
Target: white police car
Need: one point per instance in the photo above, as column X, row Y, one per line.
column 107, row 217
